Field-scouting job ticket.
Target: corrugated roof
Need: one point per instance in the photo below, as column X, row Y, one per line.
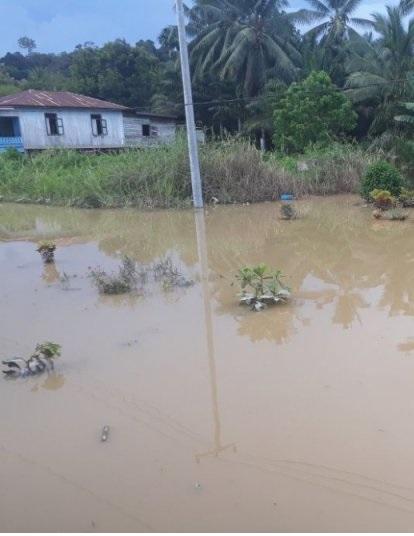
column 33, row 98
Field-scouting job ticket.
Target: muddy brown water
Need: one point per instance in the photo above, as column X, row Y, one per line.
column 298, row 418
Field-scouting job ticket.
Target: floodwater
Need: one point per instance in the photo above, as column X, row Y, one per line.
column 297, row 418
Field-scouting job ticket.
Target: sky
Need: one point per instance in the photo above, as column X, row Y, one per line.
column 59, row 25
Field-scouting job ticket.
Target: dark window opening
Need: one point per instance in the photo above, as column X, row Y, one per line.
column 99, row 125
column 146, row 131
column 54, row 125
column 9, row 127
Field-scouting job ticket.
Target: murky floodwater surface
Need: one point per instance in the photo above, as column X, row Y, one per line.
column 298, row 418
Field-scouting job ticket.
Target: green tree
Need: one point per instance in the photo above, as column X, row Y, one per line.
column 26, row 43
column 312, row 112
column 243, row 40
column 380, row 71
column 324, row 45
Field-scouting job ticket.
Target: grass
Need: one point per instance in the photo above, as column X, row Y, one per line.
column 233, row 172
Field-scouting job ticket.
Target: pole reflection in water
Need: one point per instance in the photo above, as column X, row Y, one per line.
column 200, row 226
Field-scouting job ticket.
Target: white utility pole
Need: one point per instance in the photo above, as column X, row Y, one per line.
column 189, row 109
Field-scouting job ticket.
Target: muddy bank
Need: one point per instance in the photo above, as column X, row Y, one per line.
column 296, row 419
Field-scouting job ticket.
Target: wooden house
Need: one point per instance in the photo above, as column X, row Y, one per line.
column 33, row 120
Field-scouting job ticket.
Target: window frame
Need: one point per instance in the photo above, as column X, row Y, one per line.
column 99, row 126
column 58, row 128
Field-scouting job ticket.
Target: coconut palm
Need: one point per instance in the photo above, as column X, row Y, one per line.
column 336, row 22
column 380, row 71
column 243, row 40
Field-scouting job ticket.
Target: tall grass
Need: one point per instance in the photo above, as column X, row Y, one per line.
column 233, row 171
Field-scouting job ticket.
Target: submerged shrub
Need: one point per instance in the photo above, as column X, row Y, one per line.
column 381, row 176
column 407, row 197
column 125, row 280
column 168, row 274
column 288, row 211
column 47, row 251
column 383, row 199
column 41, row 360
column 395, row 214
column 260, row 286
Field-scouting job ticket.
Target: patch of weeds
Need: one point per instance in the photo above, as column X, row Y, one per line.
column 288, row 211
column 168, row 274
column 47, row 251
column 121, row 282
column 261, row 286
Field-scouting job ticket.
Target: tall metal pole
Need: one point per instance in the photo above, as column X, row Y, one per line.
column 189, row 110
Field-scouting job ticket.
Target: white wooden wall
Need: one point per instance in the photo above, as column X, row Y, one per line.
column 133, row 131
column 77, row 129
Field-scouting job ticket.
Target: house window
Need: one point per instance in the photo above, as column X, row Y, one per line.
column 154, row 131
column 54, row 125
column 146, row 130
column 99, row 125
column 9, row 127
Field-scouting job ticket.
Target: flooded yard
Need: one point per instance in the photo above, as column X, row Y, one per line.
column 297, row 418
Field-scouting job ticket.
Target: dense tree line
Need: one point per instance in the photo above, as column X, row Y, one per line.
column 258, row 68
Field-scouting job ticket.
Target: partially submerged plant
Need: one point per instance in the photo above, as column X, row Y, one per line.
column 395, row 214
column 407, row 197
column 169, row 275
column 40, row 361
column 288, row 211
column 125, row 280
column 261, row 286
column 47, row 251
column 383, row 199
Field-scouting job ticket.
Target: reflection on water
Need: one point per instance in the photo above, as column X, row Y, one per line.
column 51, row 382
column 50, row 273
column 304, row 407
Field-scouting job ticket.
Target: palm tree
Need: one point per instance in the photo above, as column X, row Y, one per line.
column 380, row 71
column 323, row 45
column 243, row 40
column 337, row 20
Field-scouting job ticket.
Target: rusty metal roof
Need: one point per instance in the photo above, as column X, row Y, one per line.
column 33, row 98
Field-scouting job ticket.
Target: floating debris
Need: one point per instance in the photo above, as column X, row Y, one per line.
column 105, row 434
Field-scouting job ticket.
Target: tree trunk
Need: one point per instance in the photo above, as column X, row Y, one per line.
column 262, row 140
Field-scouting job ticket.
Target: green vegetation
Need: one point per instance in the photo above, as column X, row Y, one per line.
column 241, row 50
column 41, row 360
column 382, row 199
column 233, row 171
column 324, row 104
column 396, row 214
column 121, row 282
column 261, row 286
column 407, row 197
column 312, row 112
column 381, row 176
column 47, row 251
column 288, row 211
column 168, row 274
